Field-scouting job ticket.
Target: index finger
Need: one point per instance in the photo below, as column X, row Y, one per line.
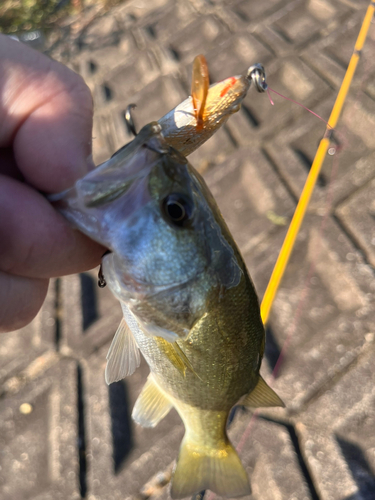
column 46, row 115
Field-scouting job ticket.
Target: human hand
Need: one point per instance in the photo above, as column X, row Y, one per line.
column 45, row 146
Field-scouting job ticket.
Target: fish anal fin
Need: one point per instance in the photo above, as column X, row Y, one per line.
column 151, row 405
column 218, row 470
column 262, row 396
column 123, row 357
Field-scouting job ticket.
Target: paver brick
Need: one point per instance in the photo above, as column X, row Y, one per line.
column 122, row 455
column 153, row 101
column 234, row 55
column 347, row 166
column 357, row 214
column 359, row 117
column 101, row 143
column 213, row 151
column 250, row 196
column 39, row 437
column 330, row 55
column 134, row 10
column 344, row 411
column 258, row 118
column 125, row 80
column 205, row 33
column 327, row 330
column 90, row 315
column 79, row 440
column 102, row 32
column 160, row 25
column 277, row 472
column 250, row 11
column 310, row 20
column 18, row 349
column 95, row 63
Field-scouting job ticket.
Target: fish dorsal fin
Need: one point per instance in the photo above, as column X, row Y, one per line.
column 151, row 405
column 261, row 396
column 123, row 356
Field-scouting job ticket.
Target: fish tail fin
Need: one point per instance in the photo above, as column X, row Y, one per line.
column 219, row 470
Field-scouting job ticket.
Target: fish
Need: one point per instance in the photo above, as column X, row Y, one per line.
column 188, row 303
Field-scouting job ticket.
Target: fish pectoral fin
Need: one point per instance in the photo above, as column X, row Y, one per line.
column 175, row 355
column 261, row 396
column 220, row 471
column 185, row 362
column 151, row 405
column 123, row 357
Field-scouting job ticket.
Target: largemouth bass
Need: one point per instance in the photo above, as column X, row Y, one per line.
column 189, row 304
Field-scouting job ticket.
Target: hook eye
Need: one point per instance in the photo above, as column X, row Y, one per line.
column 257, row 74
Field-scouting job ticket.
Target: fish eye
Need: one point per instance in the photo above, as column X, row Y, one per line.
column 177, row 209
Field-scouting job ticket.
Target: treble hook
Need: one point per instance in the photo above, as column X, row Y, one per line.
column 257, row 74
column 129, row 120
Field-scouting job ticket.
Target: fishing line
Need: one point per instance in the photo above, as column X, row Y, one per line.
column 302, row 301
column 304, row 295
column 299, row 213
column 257, row 74
column 268, row 299
column 295, row 102
column 323, row 147
column 294, row 227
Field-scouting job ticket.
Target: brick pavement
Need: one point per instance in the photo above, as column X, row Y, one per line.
column 64, row 433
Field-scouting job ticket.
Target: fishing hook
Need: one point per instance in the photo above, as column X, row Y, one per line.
column 129, row 120
column 101, row 280
column 130, row 127
column 257, row 74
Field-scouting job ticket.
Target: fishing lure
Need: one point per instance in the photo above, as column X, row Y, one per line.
column 195, row 120
column 192, row 122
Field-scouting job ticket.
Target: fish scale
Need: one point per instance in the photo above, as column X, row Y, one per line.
column 222, row 348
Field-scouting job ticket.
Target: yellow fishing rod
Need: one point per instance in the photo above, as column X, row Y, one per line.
column 303, row 202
